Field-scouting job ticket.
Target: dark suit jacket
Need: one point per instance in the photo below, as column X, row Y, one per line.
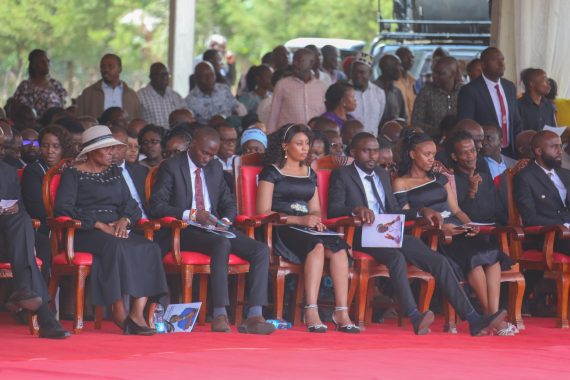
column 9, row 182
column 346, row 192
column 475, row 102
column 172, row 193
column 538, row 199
column 32, row 180
column 138, row 174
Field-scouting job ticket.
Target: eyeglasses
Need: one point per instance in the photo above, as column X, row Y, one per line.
column 35, row 143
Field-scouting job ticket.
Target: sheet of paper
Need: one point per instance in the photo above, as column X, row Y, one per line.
column 558, row 130
column 7, row 203
column 387, row 231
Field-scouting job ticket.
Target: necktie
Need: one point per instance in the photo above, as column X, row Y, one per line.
column 503, row 117
column 199, row 191
column 370, row 178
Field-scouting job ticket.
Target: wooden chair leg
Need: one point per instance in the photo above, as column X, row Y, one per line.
column 361, row 297
column 278, row 298
column 80, row 278
column 352, row 287
column 186, row 283
column 297, row 301
column 516, row 293
column 33, row 324
column 52, row 288
column 369, row 303
column 562, row 287
column 426, row 293
column 450, row 317
column 239, row 299
column 203, row 298
column 99, row 311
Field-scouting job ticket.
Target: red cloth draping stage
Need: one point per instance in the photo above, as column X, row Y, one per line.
column 383, row 351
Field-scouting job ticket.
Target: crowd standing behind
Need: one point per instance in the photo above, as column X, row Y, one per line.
column 294, row 109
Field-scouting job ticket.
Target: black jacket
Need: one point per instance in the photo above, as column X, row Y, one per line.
column 538, row 199
column 475, row 102
column 172, row 193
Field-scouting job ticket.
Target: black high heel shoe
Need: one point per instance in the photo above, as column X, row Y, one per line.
column 131, row 328
column 320, row 328
column 351, row 328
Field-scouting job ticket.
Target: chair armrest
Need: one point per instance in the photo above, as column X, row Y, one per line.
column 58, row 225
column 343, row 221
column 170, row 222
column 434, row 232
column 514, row 232
column 561, row 231
column 258, row 220
column 148, row 226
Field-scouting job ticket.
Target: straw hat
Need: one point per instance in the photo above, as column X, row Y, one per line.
column 97, row 137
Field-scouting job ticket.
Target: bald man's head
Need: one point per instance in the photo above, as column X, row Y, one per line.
column 547, row 149
column 181, row 115
column 523, row 144
column 205, row 76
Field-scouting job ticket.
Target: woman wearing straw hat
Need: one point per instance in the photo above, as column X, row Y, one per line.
column 95, row 193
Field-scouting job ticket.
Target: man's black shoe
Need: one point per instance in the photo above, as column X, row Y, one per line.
column 487, row 323
column 24, row 299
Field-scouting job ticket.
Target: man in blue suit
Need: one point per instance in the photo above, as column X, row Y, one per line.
column 490, row 99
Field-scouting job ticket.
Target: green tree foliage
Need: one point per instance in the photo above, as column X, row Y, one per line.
column 76, row 33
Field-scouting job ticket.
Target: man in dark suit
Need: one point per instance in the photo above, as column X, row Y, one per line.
column 490, row 99
column 133, row 174
column 541, row 188
column 192, row 187
column 17, row 248
column 363, row 189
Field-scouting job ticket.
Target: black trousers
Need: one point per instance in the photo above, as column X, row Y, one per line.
column 17, row 239
column 419, row 254
column 219, row 248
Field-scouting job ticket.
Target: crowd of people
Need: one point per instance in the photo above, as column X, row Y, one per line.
column 294, row 111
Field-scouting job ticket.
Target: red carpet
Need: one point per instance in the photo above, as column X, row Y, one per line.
column 381, row 352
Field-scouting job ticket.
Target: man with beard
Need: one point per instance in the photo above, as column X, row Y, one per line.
column 370, row 99
column 541, row 188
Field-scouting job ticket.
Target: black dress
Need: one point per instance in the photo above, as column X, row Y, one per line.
column 130, row 266
column 291, row 196
column 465, row 252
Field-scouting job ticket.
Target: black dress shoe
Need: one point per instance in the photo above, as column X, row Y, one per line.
column 24, row 299
column 54, row 332
column 487, row 323
column 423, row 322
column 131, row 328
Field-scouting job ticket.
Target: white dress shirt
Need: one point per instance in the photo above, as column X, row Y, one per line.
column 370, row 197
column 113, row 96
column 497, row 104
column 562, row 191
column 132, row 188
column 370, row 105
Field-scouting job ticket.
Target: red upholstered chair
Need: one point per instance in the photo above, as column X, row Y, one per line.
column 366, row 268
column 504, row 235
column 246, row 171
column 556, row 265
column 6, row 273
column 186, row 264
column 65, row 261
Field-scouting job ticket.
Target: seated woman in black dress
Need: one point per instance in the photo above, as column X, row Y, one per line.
column 55, row 144
column 477, row 258
column 95, row 193
column 289, row 186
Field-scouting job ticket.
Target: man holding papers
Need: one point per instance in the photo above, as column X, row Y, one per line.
column 363, row 189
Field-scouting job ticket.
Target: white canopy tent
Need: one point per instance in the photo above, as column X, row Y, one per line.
column 533, row 33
